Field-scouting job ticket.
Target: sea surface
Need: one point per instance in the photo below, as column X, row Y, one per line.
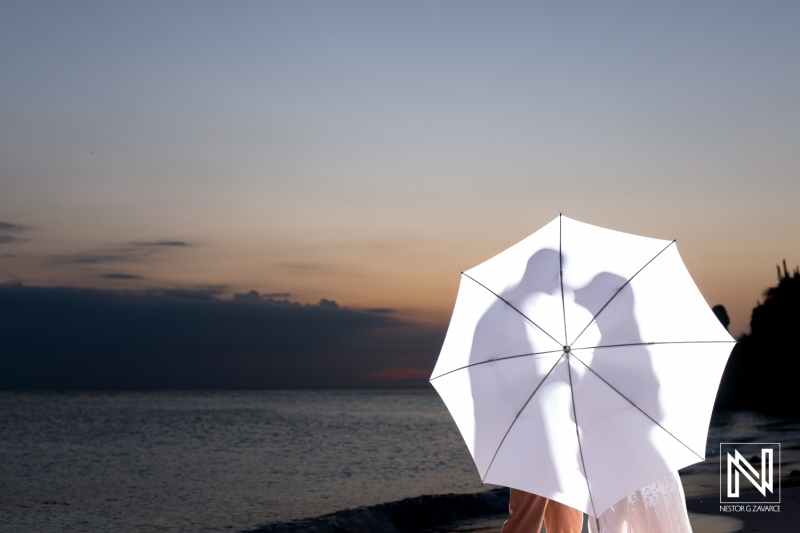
column 224, row 461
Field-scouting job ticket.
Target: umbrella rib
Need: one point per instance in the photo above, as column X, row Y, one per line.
column 512, row 307
column 639, row 408
column 516, row 417
column 618, row 291
column 492, row 361
column 650, row 344
column 578, row 435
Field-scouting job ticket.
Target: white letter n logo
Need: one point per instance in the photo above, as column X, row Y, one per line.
column 740, row 464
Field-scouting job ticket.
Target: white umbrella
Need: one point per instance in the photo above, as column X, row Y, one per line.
column 582, row 363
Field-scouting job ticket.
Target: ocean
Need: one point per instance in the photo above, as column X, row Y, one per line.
column 222, row 461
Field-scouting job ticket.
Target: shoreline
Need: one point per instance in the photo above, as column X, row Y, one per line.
column 705, row 515
column 428, row 513
column 485, row 512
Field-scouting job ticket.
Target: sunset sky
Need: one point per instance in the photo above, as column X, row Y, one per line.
column 367, row 152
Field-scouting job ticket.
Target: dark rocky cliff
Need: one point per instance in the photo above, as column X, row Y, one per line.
column 762, row 373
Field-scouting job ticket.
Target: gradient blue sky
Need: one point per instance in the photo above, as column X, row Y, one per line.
column 367, row 152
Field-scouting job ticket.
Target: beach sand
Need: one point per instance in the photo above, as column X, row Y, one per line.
column 704, row 514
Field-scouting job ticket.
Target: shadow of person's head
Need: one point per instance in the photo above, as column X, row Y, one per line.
column 542, row 274
column 600, row 290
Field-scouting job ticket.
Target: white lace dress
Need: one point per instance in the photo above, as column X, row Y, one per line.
column 658, row 507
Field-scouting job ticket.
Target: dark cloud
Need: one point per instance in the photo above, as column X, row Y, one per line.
column 70, row 338
column 6, row 239
column 380, row 310
column 255, row 297
column 116, row 275
column 135, row 251
column 328, row 304
column 278, row 295
column 118, row 255
column 308, row 268
column 209, row 292
column 8, row 226
column 161, row 243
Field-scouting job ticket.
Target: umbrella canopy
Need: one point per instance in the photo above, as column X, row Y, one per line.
column 581, row 364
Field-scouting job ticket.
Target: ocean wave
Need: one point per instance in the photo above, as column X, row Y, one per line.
column 405, row 516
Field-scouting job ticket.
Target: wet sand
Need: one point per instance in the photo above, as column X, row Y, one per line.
column 704, row 514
